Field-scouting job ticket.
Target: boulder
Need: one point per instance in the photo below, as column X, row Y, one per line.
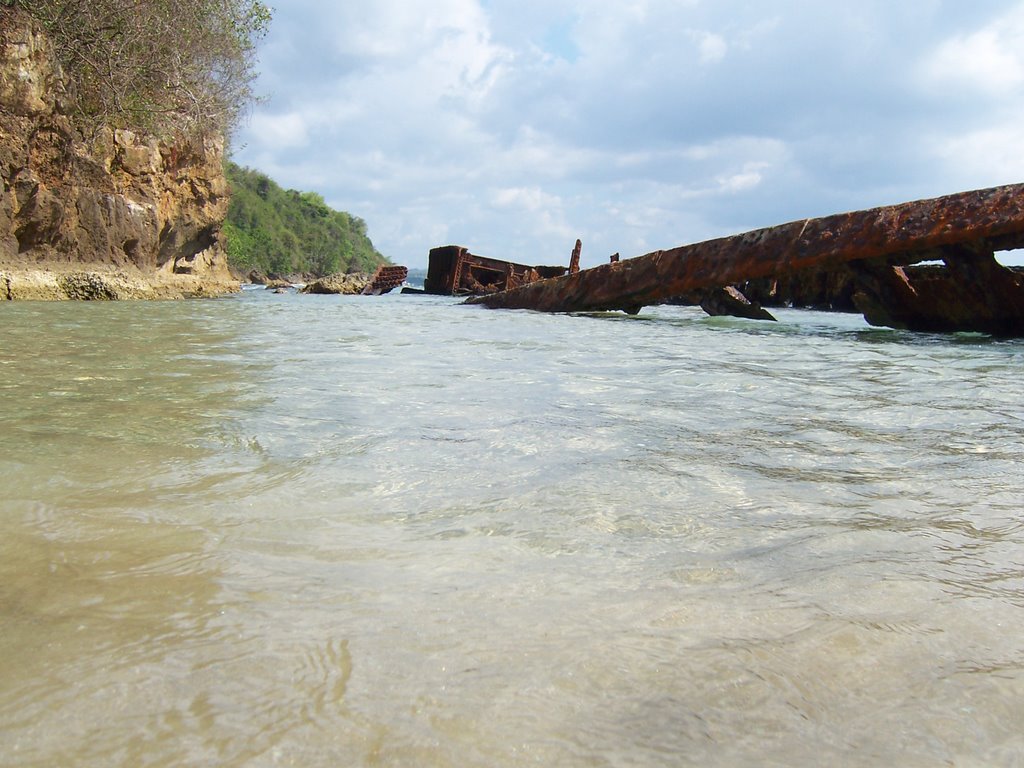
column 338, row 283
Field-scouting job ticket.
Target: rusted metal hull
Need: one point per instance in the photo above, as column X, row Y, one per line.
column 972, row 292
column 386, row 279
column 452, row 271
column 993, row 216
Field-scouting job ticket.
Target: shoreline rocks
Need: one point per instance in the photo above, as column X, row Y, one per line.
column 84, row 283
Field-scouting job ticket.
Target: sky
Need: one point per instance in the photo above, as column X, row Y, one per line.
column 514, row 127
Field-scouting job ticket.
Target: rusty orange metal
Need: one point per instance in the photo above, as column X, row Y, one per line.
column 453, row 271
column 993, row 217
column 385, row 279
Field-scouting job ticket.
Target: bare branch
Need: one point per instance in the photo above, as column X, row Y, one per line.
column 163, row 65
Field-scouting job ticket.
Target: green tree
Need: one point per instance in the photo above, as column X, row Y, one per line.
column 183, row 66
column 291, row 232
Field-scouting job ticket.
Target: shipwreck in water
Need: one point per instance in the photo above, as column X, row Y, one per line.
column 453, row 271
column 962, row 287
column 385, row 279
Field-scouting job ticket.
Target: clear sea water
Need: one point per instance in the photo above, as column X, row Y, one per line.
column 399, row 531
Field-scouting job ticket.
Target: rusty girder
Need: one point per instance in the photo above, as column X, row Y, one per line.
column 994, row 216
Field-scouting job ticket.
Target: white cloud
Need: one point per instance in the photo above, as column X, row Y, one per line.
column 284, row 130
column 526, row 199
column 980, row 72
column 746, row 179
column 515, row 126
column 987, row 156
column 544, row 211
column 989, row 60
column 711, row 47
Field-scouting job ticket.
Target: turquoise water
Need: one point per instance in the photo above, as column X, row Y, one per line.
column 300, row 530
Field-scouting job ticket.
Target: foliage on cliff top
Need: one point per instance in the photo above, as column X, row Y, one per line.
column 289, row 232
column 184, row 66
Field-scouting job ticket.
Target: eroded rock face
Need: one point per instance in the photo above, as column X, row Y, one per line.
column 111, row 202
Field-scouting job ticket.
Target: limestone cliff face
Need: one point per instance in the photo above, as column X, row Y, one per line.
column 142, row 215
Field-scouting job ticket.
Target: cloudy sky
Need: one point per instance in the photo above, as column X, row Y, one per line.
column 515, row 126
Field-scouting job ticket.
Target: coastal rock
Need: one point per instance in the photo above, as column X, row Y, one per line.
column 339, row 283
column 99, row 284
column 113, row 202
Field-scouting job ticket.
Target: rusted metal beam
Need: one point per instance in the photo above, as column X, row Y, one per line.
column 385, row 279
column 574, row 260
column 994, row 215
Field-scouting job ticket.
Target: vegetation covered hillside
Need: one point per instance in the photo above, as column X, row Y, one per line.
column 289, row 232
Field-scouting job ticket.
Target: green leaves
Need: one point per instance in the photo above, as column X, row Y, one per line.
column 290, row 232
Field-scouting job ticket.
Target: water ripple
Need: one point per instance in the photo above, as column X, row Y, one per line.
column 401, row 531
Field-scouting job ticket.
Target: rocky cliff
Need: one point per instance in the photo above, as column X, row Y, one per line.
column 104, row 213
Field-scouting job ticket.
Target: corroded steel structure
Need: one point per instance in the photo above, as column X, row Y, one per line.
column 988, row 218
column 452, row 270
column 385, row 279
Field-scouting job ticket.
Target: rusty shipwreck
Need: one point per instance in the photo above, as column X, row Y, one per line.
column 453, row 271
column 964, row 288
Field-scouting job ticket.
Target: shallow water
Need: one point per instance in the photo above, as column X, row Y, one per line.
column 321, row 531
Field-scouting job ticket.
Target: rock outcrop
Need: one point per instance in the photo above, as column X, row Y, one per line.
column 108, row 214
column 340, row 283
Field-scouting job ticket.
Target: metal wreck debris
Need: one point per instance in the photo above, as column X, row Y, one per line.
column 981, row 221
column 453, row 271
column 385, row 279
column 970, row 291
